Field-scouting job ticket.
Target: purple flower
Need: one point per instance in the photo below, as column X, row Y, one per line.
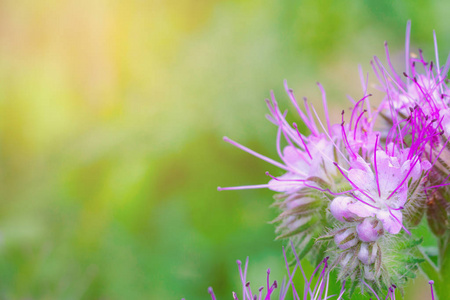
column 355, row 190
column 418, row 113
column 382, row 190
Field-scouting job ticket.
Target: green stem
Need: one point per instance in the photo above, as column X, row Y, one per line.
column 443, row 285
column 440, row 275
column 428, row 267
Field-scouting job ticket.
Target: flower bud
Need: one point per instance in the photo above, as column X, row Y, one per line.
column 346, row 239
column 345, row 260
column 339, row 209
column 367, row 254
column 369, row 273
column 369, row 230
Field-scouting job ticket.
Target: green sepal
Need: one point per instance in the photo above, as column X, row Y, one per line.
column 300, row 229
column 301, row 209
column 306, row 249
column 348, row 239
column 352, row 288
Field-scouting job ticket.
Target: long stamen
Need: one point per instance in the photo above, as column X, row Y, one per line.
column 329, row 137
column 299, row 153
column 312, row 276
column 285, row 180
column 364, row 85
column 239, row 263
column 345, row 137
column 249, row 291
column 314, row 130
column 325, row 107
column 364, row 202
column 388, row 58
column 301, row 268
column 404, row 179
column 271, row 161
column 375, row 165
column 437, row 59
column 401, row 224
column 301, row 138
column 425, row 94
column 370, row 288
column 328, row 190
column 351, row 182
column 211, row 292
column 436, row 186
column 243, row 187
column 342, row 291
column 356, row 124
column 407, row 40
column 245, row 274
column 291, row 276
column 431, row 282
column 374, row 68
column 355, row 108
column 294, row 102
column 235, row 297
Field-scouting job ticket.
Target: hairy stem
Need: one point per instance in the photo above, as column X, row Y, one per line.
column 428, row 267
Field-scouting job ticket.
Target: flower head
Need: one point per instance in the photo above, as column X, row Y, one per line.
column 356, row 188
column 417, row 104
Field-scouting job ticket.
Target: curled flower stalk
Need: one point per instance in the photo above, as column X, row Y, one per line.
column 356, row 190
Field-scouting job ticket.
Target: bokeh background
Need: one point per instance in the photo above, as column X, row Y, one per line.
column 111, row 122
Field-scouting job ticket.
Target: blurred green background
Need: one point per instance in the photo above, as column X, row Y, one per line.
column 111, row 122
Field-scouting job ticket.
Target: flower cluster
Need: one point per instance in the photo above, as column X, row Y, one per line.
column 356, row 189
